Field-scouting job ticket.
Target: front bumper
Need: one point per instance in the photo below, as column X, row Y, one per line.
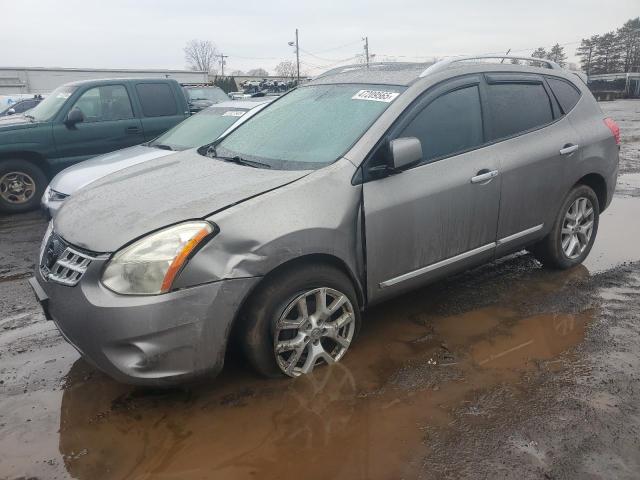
column 158, row 340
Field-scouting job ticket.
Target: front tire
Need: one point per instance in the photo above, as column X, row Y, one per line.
column 21, row 186
column 574, row 231
column 299, row 318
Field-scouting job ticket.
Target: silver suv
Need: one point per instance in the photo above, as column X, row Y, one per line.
column 356, row 187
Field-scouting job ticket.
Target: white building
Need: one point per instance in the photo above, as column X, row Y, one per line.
column 23, row 81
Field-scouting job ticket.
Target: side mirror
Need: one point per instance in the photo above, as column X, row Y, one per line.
column 75, row 116
column 404, row 152
column 11, row 111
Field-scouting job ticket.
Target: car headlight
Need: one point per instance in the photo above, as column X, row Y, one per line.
column 54, row 196
column 150, row 265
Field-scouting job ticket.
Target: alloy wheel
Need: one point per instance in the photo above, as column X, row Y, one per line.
column 17, row 187
column 577, row 228
column 316, row 327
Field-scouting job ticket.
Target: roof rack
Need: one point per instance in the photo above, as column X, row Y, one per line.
column 442, row 64
column 371, row 66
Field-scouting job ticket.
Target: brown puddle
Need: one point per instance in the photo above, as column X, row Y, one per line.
column 367, row 417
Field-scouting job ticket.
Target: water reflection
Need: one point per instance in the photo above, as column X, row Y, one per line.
column 418, row 360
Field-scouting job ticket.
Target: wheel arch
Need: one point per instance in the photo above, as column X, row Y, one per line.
column 34, row 158
column 318, row 258
column 307, row 259
column 598, row 184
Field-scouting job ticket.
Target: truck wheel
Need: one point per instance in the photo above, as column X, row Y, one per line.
column 21, row 186
column 300, row 318
column 574, row 231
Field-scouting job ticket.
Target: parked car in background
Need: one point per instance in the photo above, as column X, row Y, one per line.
column 203, row 96
column 21, row 106
column 263, row 233
column 195, row 131
column 77, row 121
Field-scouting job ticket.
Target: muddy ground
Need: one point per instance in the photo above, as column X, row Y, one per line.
column 507, row 371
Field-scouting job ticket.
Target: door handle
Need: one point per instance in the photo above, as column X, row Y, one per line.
column 484, row 176
column 132, row 130
column 568, row 149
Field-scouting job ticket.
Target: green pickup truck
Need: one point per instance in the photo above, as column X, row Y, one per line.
column 77, row 121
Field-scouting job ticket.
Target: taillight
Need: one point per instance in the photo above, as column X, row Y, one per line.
column 615, row 129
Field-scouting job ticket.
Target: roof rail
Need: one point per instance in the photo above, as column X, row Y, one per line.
column 442, row 64
column 363, row 66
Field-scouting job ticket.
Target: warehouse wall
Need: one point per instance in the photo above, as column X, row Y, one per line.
column 44, row 80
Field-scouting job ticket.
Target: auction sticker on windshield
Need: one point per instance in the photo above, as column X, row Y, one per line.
column 375, row 95
column 233, row 113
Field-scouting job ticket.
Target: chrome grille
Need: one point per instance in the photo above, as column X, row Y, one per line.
column 61, row 263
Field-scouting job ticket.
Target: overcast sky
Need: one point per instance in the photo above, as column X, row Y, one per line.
column 152, row 33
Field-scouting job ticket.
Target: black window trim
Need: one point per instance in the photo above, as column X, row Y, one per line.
column 551, row 99
column 421, row 102
column 554, row 77
column 480, row 79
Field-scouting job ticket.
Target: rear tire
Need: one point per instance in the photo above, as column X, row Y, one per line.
column 273, row 316
column 574, row 231
column 21, row 186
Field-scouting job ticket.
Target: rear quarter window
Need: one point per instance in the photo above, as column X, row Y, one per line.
column 515, row 108
column 566, row 93
column 156, row 99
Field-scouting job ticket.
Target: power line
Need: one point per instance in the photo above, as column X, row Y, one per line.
column 333, row 60
column 339, row 47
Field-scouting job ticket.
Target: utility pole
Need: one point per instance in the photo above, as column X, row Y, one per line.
column 222, row 62
column 366, row 50
column 297, row 45
column 297, row 56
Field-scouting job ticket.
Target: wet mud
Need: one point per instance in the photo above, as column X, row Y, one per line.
column 506, row 371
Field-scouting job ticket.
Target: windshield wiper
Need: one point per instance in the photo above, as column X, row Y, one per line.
column 161, row 146
column 31, row 117
column 242, row 161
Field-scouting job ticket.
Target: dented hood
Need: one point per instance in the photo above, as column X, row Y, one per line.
column 125, row 205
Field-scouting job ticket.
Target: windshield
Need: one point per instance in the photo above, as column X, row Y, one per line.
column 200, row 129
column 310, row 127
column 212, row 94
column 47, row 108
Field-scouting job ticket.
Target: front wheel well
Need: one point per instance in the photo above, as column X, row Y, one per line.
column 33, row 158
column 310, row 259
column 598, row 185
column 324, row 259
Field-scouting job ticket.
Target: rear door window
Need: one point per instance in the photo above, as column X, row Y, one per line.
column 515, row 108
column 566, row 94
column 451, row 124
column 157, row 99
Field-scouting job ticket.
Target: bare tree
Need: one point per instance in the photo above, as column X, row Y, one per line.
column 287, row 69
column 237, row 73
column 201, row 55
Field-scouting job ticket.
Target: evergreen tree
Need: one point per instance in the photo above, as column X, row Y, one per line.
column 629, row 43
column 585, row 52
column 607, row 54
column 539, row 52
column 557, row 55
